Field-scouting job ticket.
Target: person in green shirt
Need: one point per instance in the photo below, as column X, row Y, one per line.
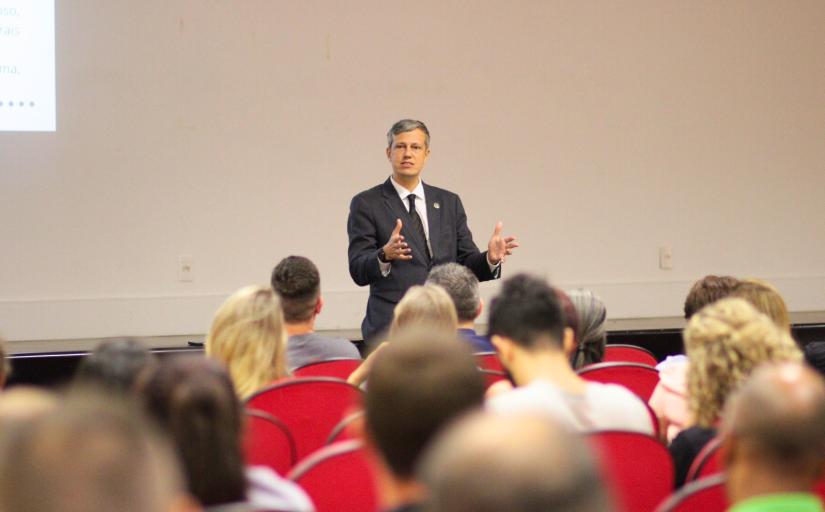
column 774, row 435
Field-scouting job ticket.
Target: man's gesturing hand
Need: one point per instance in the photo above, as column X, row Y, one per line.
column 396, row 248
column 500, row 247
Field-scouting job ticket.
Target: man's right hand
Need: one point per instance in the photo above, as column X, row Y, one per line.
column 396, row 248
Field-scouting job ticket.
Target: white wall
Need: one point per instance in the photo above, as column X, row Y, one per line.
column 237, row 131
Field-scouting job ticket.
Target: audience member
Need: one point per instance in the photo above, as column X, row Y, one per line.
column 89, row 455
column 527, row 328
column 419, row 382
column 669, row 398
column 462, row 287
column 429, row 306
column 774, row 435
column 194, row 400
column 815, row 355
column 724, row 341
column 114, row 365
column 766, row 299
column 297, row 281
column 489, row 463
column 591, row 315
column 248, row 336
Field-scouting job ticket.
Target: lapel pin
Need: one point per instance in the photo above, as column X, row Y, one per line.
column 436, row 206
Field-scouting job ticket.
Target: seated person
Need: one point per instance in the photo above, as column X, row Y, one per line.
column 527, row 327
column 247, row 335
column 296, row 280
column 724, row 341
column 428, row 306
column 420, row 381
column 669, row 399
column 490, row 463
column 766, row 299
column 462, row 287
column 592, row 336
column 193, row 400
column 114, row 365
column 774, row 434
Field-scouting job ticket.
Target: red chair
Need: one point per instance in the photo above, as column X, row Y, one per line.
column 489, row 361
column 707, row 462
column 641, row 379
column 309, row 407
column 338, row 477
column 347, row 428
column 619, row 353
column 704, row 495
column 268, row 442
column 339, row 368
column 492, row 376
column 636, row 468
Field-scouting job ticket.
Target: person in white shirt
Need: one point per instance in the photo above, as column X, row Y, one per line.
column 527, row 328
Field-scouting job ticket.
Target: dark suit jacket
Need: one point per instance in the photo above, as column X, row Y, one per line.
column 371, row 221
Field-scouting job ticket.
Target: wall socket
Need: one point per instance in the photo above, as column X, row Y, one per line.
column 185, row 270
column 665, row 257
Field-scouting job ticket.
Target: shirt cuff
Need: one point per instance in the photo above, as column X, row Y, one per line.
column 384, row 267
column 494, row 269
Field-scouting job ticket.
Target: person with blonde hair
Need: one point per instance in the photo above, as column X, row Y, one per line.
column 725, row 342
column 248, row 336
column 766, row 299
column 429, row 306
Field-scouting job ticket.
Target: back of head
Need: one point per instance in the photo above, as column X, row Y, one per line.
column 591, row 314
column 297, row 281
column 193, row 399
column 776, row 423
column 766, row 299
column 418, row 382
column 89, row 455
column 724, row 342
column 527, row 311
column 491, row 463
column 248, row 336
column 114, row 365
column 706, row 291
column 461, row 285
column 424, row 306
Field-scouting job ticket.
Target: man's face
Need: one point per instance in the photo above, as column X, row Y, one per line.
column 408, row 154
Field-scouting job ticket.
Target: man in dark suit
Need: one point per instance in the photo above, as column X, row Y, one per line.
column 400, row 229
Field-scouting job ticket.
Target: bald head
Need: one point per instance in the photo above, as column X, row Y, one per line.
column 521, row 464
column 775, row 424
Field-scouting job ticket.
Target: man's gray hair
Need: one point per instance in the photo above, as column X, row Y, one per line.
column 461, row 285
column 408, row 125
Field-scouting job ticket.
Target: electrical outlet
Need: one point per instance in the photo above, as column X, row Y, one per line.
column 185, row 270
column 665, row 257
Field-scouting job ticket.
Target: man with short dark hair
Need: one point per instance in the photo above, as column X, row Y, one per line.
column 297, row 281
column 400, row 229
column 418, row 383
column 490, row 463
column 462, row 287
column 774, row 440
column 527, row 327
column 706, row 291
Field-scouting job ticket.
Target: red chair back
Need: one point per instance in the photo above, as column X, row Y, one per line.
column 637, row 468
column 492, row 376
column 704, row 495
column 309, row 407
column 339, row 368
column 488, row 361
column 641, row 379
column 268, row 442
column 707, row 462
column 628, row 354
column 338, row 477
column 347, row 428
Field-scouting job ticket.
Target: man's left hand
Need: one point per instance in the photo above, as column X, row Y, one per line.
column 500, row 247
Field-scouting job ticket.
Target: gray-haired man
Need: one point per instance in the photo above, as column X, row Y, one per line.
column 402, row 228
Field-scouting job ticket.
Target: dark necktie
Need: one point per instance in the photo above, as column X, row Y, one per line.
column 418, row 225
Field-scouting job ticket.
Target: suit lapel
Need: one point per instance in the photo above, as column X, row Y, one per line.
column 399, row 210
column 434, row 203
